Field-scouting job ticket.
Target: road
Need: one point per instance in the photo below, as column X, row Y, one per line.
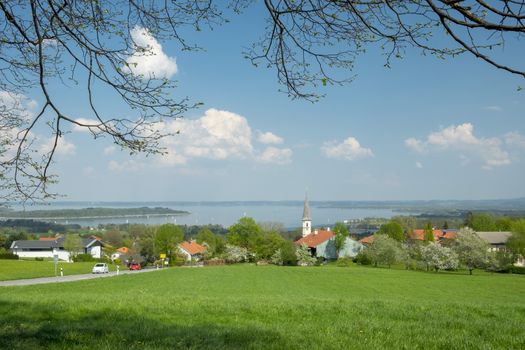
column 70, row 278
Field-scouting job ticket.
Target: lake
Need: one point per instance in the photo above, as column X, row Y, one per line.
column 226, row 213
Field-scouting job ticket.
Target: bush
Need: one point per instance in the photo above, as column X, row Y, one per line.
column 214, row 261
column 344, row 262
column 9, row 256
column 39, row 259
column 519, row 270
column 83, row 258
column 362, row 258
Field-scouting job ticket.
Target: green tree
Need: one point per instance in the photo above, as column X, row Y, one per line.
column 244, row 233
column 393, row 230
column 341, row 233
column 147, row 244
column 215, row 244
column 166, row 239
column 73, row 244
column 469, row 219
column 383, row 250
column 484, row 222
column 408, row 223
column 114, row 237
column 516, row 242
column 429, row 233
column 266, row 244
column 503, row 224
column 472, row 251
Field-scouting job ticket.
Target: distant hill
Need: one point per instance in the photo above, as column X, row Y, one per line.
column 89, row 213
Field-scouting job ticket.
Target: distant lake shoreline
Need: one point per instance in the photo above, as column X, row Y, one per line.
column 288, row 213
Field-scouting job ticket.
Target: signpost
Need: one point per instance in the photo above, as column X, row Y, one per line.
column 55, row 258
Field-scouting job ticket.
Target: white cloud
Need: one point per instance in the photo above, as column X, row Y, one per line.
column 64, row 147
column 148, row 59
column 18, row 105
column 461, row 138
column 216, row 135
column 515, row 139
column 419, row 165
column 269, row 138
column 130, row 165
column 415, row 145
column 88, row 171
column 494, row 108
column 85, row 121
column 349, row 149
column 109, row 150
column 276, row 155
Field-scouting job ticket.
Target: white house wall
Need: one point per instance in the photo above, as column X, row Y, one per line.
column 95, row 251
column 62, row 255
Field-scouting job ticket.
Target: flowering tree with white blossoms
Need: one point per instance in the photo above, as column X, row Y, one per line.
column 304, row 257
column 473, row 252
column 439, row 257
column 235, row 254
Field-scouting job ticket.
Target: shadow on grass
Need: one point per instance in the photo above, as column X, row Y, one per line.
column 44, row 326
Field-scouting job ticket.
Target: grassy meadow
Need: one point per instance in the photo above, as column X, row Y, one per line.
column 20, row 269
column 268, row 307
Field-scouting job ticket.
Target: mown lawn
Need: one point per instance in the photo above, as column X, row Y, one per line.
column 268, row 307
column 20, row 269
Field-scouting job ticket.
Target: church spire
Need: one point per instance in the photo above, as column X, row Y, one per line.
column 306, row 210
column 307, row 220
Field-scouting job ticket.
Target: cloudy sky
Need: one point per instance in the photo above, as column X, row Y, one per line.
column 423, row 129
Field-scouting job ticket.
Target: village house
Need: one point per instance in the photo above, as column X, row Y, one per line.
column 496, row 240
column 321, row 242
column 121, row 253
column 192, row 250
column 48, row 248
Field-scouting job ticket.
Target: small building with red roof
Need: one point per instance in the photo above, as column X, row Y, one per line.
column 367, row 240
column 419, row 235
column 192, row 250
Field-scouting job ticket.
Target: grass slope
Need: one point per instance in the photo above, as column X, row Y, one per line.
column 20, row 269
column 249, row 307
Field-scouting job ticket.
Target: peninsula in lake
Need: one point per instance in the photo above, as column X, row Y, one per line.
column 89, row 213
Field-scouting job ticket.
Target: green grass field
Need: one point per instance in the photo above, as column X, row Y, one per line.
column 20, row 269
column 268, row 307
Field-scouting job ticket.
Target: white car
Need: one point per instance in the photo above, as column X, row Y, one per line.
column 100, row 268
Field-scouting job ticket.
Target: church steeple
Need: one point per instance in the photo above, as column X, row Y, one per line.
column 307, row 220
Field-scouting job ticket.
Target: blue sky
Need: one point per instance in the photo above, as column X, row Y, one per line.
column 423, row 129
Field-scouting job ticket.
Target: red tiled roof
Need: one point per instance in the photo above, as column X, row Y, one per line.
column 420, row 235
column 192, row 247
column 367, row 240
column 314, row 239
column 450, row 235
column 123, row 250
column 45, row 238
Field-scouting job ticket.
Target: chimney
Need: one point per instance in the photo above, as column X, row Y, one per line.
column 328, row 229
column 316, row 232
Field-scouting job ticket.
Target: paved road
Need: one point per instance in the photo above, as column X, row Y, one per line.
column 71, row 278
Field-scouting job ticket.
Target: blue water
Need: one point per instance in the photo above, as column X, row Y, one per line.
column 226, row 213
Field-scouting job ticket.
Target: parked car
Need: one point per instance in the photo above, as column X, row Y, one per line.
column 100, row 268
column 135, row 266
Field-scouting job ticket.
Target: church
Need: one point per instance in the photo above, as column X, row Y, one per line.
column 321, row 241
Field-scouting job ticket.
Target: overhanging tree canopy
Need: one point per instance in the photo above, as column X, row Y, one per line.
column 307, row 42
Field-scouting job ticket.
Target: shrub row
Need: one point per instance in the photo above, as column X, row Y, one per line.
column 9, row 256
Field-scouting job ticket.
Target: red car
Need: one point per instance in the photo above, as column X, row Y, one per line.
column 134, row 266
